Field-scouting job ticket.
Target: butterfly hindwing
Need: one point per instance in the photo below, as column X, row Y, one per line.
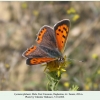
column 61, row 30
column 34, row 61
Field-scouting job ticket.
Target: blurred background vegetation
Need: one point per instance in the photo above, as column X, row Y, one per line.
column 19, row 24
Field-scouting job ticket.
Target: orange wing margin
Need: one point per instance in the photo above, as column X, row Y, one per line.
column 35, row 61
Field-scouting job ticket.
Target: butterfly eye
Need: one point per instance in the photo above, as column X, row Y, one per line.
column 61, row 59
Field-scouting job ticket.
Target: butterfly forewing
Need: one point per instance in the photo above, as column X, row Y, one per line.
column 46, row 37
column 61, row 30
column 35, row 52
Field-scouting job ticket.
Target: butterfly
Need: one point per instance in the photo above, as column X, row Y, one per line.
column 50, row 44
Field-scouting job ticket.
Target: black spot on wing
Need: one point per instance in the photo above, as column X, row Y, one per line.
column 59, row 30
column 64, row 36
column 64, row 28
column 57, row 33
column 38, row 39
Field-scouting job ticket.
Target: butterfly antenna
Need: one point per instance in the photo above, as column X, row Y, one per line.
column 75, row 60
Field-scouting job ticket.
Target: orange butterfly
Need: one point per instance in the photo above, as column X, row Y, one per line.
column 51, row 43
